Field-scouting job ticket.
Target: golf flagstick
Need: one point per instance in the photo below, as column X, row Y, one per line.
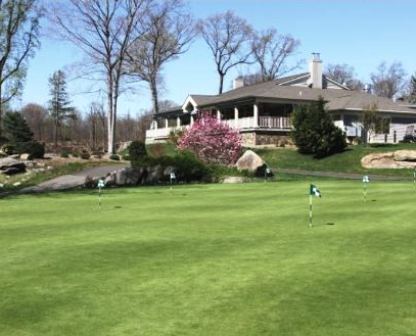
column 414, row 178
column 310, row 211
column 366, row 180
column 100, row 185
column 172, row 178
column 313, row 191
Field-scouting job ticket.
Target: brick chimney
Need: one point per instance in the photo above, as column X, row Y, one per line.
column 238, row 82
column 315, row 70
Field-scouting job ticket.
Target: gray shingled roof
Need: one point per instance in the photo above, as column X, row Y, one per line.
column 170, row 111
column 353, row 100
column 337, row 99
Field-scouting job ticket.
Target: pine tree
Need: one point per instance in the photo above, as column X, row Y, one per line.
column 314, row 131
column 59, row 104
column 16, row 129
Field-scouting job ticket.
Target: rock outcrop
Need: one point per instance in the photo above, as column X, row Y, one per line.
column 405, row 155
column 390, row 160
column 11, row 166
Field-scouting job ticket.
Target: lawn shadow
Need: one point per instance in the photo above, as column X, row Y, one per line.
column 323, row 224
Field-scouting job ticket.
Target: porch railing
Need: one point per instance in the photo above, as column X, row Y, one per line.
column 275, row 122
column 240, row 123
column 163, row 132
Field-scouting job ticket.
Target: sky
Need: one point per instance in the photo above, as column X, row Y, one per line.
column 361, row 33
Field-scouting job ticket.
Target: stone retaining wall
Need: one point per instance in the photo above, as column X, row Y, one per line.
column 266, row 138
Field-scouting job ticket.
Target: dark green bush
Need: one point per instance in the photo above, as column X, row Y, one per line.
column 137, row 151
column 8, row 149
column 408, row 138
column 64, row 154
column 85, row 155
column 262, row 171
column 35, row 149
column 314, row 131
column 187, row 167
column 115, row 157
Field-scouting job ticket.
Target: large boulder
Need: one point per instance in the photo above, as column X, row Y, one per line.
column 11, row 166
column 127, row 176
column 405, row 155
column 154, row 175
column 25, row 156
column 249, row 161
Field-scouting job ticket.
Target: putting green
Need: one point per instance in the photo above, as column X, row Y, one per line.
column 211, row 260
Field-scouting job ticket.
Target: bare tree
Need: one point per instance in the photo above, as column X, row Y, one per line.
column 104, row 30
column 36, row 116
column 345, row 75
column 143, row 124
column 251, row 78
column 388, row 80
column 411, row 95
column 271, row 51
column 96, row 122
column 169, row 29
column 19, row 31
column 228, row 37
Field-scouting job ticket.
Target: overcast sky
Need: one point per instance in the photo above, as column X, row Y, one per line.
column 358, row 32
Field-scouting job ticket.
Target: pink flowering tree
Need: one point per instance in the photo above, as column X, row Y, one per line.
column 211, row 140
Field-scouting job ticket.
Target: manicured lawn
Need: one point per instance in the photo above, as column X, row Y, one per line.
column 347, row 162
column 210, row 260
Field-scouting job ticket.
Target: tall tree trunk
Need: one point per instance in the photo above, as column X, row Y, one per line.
column 155, row 99
column 115, row 104
column 55, row 136
column 94, row 133
column 110, row 112
column 221, row 83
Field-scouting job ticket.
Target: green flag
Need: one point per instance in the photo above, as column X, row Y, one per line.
column 314, row 191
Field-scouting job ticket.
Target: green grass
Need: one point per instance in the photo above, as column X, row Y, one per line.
column 161, row 149
column 347, row 162
column 210, row 260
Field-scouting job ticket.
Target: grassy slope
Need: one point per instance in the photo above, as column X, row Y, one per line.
column 348, row 161
column 210, row 260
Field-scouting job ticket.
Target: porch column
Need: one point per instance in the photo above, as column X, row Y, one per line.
column 192, row 119
column 166, row 122
column 256, row 115
column 178, row 121
column 218, row 115
column 236, row 115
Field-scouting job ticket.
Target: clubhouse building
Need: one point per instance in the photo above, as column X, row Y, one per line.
column 262, row 112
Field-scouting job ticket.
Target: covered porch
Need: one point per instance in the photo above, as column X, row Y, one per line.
column 242, row 116
column 256, row 115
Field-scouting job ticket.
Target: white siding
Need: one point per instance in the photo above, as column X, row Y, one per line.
column 398, row 127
